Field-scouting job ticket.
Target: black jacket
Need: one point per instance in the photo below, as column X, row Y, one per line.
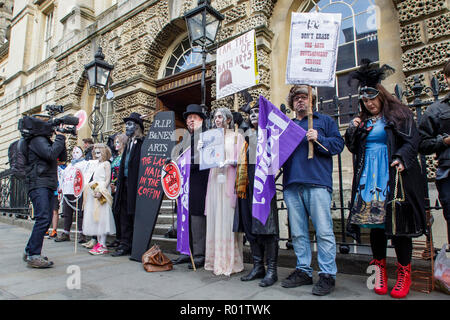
column 402, row 142
column 133, row 175
column 198, row 179
column 434, row 126
column 42, row 165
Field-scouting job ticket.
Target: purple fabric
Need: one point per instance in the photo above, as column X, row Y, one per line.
column 184, row 163
column 275, row 129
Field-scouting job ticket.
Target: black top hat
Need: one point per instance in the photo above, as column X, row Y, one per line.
column 194, row 109
column 135, row 117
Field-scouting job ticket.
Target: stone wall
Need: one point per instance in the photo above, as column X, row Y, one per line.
column 136, row 46
column 425, row 41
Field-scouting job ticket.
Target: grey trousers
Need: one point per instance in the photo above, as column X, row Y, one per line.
column 198, row 235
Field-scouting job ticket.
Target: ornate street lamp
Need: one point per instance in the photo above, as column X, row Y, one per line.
column 98, row 72
column 203, row 23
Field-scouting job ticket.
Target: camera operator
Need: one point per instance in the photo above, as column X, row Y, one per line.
column 42, row 181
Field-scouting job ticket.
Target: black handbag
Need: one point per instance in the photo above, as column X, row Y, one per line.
column 401, row 216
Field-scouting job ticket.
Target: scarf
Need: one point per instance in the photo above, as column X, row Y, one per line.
column 242, row 173
column 75, row 161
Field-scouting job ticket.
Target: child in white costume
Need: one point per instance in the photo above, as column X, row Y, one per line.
column 98, row 217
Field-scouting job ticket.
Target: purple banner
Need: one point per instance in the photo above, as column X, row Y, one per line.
column 184, row 163
column 274, row 129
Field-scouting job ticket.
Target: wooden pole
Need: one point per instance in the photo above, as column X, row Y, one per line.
column 310, row 123
column 192, row 260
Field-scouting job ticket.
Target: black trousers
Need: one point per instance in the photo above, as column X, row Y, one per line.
column 116, row 215
column 126, row 221
column 68, row 212
column 402, row 245
column 198, row 235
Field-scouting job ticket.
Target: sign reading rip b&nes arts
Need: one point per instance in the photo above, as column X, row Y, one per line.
column 155, row 151
column 236, row 65
column 313, row 49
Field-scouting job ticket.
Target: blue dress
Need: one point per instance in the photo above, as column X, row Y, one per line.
column 373, row 185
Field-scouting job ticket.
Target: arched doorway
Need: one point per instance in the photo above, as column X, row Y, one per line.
column 181, row 84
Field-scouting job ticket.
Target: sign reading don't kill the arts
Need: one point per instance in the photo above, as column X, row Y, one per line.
column 313, row 46
column 236, row 65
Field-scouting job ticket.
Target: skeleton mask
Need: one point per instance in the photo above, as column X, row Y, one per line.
column 130, row 128
column 254, row 114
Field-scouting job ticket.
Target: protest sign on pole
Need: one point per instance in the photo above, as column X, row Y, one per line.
column 313, row 49
column 237, row 65
column 312, row 54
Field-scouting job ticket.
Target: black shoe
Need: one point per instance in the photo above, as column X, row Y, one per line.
column 82, row 239
column 182, row 259
column 114, row 244
column 121, row 252
column 296, row 279
column 63, row 237
column 199, row 262
column 325, row 285
column 258, row 272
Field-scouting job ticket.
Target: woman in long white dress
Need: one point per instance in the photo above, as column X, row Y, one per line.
column 98, row 217
column 224, row 248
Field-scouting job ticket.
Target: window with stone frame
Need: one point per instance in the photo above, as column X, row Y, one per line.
column 48, row 32
column 183, row 58
column 358, row 39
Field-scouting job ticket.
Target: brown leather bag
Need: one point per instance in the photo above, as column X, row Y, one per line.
column 154, row 260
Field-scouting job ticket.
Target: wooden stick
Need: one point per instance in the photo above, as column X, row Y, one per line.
column 310, row 123
column 192, row 260
column 321, row 145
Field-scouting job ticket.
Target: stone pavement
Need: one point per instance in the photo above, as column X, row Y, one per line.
column 109, row 278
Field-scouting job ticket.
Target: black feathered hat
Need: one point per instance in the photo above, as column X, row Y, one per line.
column 368, row 76
column 249, row 102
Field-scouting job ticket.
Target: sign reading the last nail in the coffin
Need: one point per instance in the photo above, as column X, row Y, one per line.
column 155, row 151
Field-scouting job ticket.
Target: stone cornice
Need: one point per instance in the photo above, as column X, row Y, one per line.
column 28, row 9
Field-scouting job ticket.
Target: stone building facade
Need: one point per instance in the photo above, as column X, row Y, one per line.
column 52, row 40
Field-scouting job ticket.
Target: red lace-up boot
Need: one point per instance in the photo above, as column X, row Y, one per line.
column 381, row 279
column 401, row 288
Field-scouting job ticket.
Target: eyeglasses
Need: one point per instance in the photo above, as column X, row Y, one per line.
column 300, row 97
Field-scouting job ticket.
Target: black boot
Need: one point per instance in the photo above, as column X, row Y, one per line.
column 271, row 277
column 258, row 270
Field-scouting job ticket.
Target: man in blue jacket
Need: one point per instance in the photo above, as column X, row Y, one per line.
column 42, row 181
column 307, row 193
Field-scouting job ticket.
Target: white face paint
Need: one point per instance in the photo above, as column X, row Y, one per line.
column 219, row 120
column 76, row 153
column 98, row 154
column 117, row 145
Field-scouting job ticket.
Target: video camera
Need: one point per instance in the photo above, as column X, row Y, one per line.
column 31, row 126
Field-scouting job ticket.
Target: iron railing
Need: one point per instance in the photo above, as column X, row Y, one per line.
column 342, row 113
column 13, row 196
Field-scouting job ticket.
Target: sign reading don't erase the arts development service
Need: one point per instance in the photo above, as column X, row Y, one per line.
column 313, row 48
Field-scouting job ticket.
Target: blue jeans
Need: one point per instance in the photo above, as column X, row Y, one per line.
column 304, row 201
column 42, row 199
